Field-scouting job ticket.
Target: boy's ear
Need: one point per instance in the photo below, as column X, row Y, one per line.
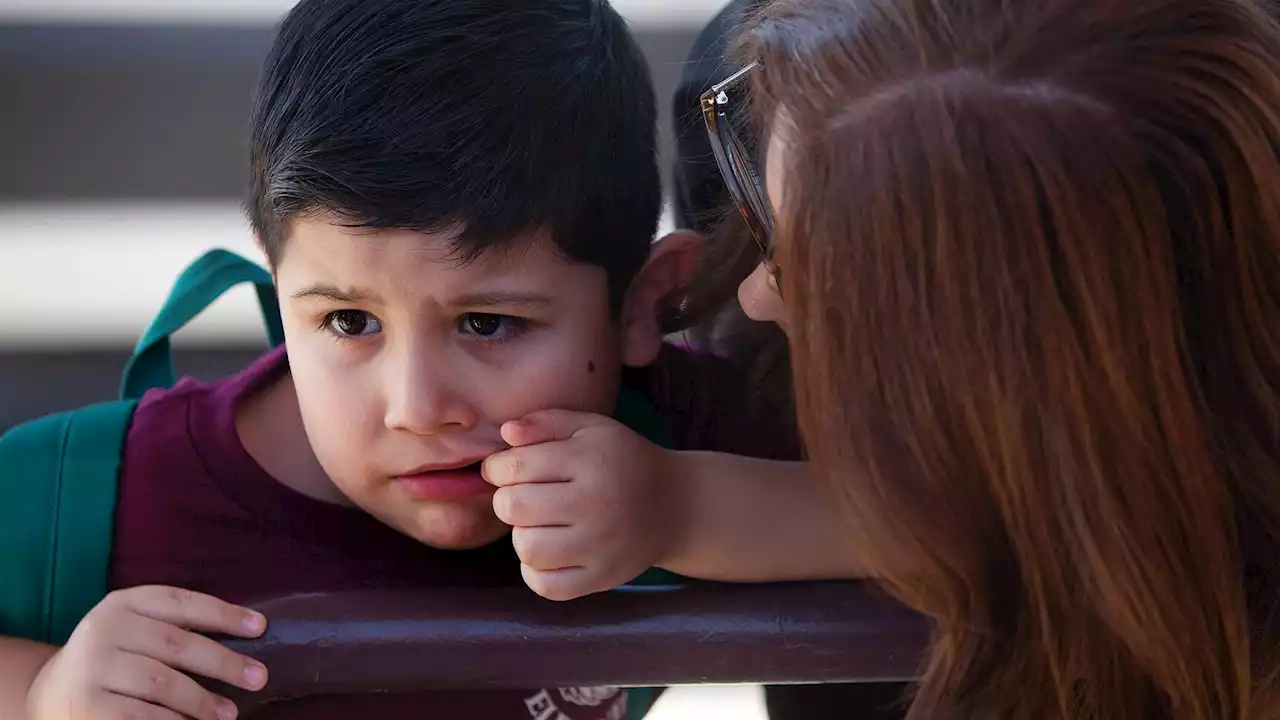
column 673, row 262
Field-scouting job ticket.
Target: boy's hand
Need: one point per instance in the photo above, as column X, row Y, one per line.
column 128, row 656
column 590, row 500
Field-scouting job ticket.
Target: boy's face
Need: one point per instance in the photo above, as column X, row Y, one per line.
column 407, row 362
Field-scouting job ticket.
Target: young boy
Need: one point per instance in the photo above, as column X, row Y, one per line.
column 456, row 199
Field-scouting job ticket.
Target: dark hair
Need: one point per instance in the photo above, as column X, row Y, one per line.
column 496, row 117
column 710, row 315
column 1031, row 261
column 699, row 193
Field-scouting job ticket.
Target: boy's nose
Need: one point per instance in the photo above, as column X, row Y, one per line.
column 422, row 399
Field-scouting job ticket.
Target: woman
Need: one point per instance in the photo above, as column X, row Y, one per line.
column 1028, row 258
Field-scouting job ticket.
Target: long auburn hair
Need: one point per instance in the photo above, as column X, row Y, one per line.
column 1031, row 256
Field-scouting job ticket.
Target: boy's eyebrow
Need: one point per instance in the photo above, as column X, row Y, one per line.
column 508, row 299
column 334, row 293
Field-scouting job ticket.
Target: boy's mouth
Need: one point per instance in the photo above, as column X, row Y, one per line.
column 467, row 465
column 445, row 482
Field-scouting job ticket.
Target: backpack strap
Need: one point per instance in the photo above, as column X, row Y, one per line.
column 85, row 521
column 59, row 490
column 203, row 282
column 59, row 473
column 636, row 412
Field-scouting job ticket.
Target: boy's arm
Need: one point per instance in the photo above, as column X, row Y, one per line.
column 593, row 505
column 749, row 520
column 20, row 663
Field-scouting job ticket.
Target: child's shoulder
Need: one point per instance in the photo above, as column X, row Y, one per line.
column 191, row 402
column 188, row 431
column 177, row 506
column 711, row 401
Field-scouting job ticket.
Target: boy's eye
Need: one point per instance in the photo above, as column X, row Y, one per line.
column 352, row 323
column 483, row 324
column 493, row 328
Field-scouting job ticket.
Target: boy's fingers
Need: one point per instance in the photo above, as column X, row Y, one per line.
column 152, row 681
column 194, row 610
column 559, row 585
column 536, row 504
column 547, row 426
column 549, row 548
column 192, row 653
column 543, row 463
column 108, row 704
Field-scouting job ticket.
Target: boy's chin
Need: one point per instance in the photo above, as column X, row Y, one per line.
column 456, row 526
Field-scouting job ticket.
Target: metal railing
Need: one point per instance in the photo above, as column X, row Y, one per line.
column 377, row 642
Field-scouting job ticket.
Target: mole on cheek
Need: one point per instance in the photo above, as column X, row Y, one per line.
column 591, row 366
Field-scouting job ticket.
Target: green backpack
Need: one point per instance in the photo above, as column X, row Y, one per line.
column 58, row 473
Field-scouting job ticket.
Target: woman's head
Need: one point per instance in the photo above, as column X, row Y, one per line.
column 1030, row 258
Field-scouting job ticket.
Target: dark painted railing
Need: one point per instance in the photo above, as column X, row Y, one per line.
column 365, row 642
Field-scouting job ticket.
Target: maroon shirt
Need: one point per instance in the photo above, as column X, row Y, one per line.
column 196, row 511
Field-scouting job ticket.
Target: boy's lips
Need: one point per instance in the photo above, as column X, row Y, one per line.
column 459, row 464
column 443, row 482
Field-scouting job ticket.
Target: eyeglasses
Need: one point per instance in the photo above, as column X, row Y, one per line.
column 736, row 163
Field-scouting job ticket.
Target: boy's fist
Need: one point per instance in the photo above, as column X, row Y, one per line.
column 590, row 501
column 133, row 654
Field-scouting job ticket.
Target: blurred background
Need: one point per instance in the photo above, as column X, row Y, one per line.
column 123, row 128
column 122, row 158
